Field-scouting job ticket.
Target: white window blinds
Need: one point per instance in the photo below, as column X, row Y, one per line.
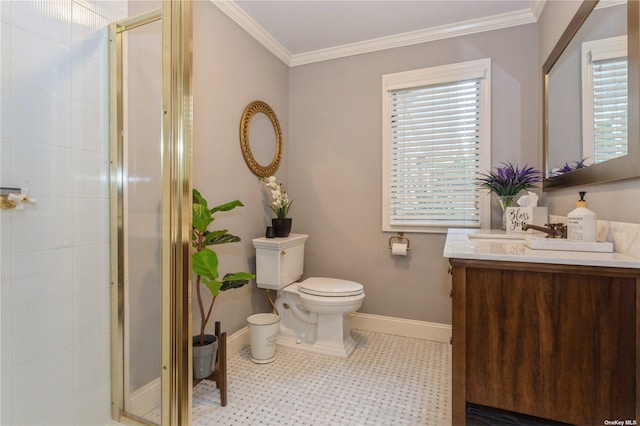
column 604, row 99
column 610, row 108
column 434, row 152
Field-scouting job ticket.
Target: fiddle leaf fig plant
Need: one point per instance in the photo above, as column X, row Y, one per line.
column 205, row 261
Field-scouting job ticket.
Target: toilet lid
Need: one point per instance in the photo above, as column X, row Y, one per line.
column 330, row 287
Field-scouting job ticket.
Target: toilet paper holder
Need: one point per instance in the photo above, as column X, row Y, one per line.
column 400, row 238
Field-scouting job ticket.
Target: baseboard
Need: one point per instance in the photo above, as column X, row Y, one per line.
column 380, row 324
column 238, row 340
column 146, row 398
column 401, row 327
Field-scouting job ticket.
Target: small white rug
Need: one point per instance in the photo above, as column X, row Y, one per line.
column 388, row 380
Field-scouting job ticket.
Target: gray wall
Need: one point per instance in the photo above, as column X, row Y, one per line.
column 613, row 201
column 335, row 163
column 231, row 69
column 330, row 113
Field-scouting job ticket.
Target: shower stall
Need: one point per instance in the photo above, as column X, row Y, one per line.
column 150, row 169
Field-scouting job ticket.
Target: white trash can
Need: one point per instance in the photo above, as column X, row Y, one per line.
column 263, row 337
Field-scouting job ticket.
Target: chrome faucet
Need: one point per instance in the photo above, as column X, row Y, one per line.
column 553, row 230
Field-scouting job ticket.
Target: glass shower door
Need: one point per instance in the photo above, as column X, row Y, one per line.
column 150, row 172
column 142, row 219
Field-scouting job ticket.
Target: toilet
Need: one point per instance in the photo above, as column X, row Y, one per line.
column 313, row 312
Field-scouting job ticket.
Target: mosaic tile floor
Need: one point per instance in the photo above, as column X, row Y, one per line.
column 388, row 380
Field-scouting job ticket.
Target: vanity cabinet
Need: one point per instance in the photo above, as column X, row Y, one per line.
column 553, row 341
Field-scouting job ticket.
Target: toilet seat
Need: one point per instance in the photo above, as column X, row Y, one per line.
column 330, row 287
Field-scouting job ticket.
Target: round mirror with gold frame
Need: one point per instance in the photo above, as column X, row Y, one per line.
column 260, row 141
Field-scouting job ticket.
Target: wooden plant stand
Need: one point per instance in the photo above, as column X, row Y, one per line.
column 219, row 374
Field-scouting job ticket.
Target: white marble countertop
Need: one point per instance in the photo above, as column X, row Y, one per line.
column 497, row 245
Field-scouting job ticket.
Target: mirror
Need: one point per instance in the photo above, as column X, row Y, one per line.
column 576, row 150
column 261, row 139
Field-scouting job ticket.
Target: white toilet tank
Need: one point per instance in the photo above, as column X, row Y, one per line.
column 279, row 261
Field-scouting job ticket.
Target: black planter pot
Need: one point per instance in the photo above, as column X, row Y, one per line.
column 282, row 227
column 204, row 357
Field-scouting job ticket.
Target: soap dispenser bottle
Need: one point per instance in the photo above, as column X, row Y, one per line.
column 582, row 222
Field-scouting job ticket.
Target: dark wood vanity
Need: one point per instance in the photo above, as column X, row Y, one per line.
column 559, row 342
column 534, row 331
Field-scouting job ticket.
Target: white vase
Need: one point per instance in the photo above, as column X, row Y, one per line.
column 505, row 201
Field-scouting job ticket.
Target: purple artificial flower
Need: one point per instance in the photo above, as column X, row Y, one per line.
column 567, row 168
column 509, row 180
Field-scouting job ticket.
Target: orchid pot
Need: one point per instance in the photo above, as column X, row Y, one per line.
column 282, row 227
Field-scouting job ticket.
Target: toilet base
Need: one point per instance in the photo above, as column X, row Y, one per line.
column 334, row 349
column 316, row 324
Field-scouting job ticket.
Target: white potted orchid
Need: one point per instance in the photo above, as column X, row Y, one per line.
column 280, row 205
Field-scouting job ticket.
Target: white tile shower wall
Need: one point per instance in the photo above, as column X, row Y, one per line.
column 54, row 298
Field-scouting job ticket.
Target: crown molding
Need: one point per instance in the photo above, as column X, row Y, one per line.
column 537, row 6
column 608, row 3
column 416, row 37
column 505, row 20
column 233, row 11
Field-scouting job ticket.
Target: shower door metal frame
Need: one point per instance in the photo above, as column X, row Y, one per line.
column 177, row 125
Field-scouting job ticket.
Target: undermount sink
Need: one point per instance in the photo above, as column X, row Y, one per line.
column 536, row 243
column 496, row 237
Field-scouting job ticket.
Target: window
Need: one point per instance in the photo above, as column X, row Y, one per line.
column 604, row 100
column 436, row 139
